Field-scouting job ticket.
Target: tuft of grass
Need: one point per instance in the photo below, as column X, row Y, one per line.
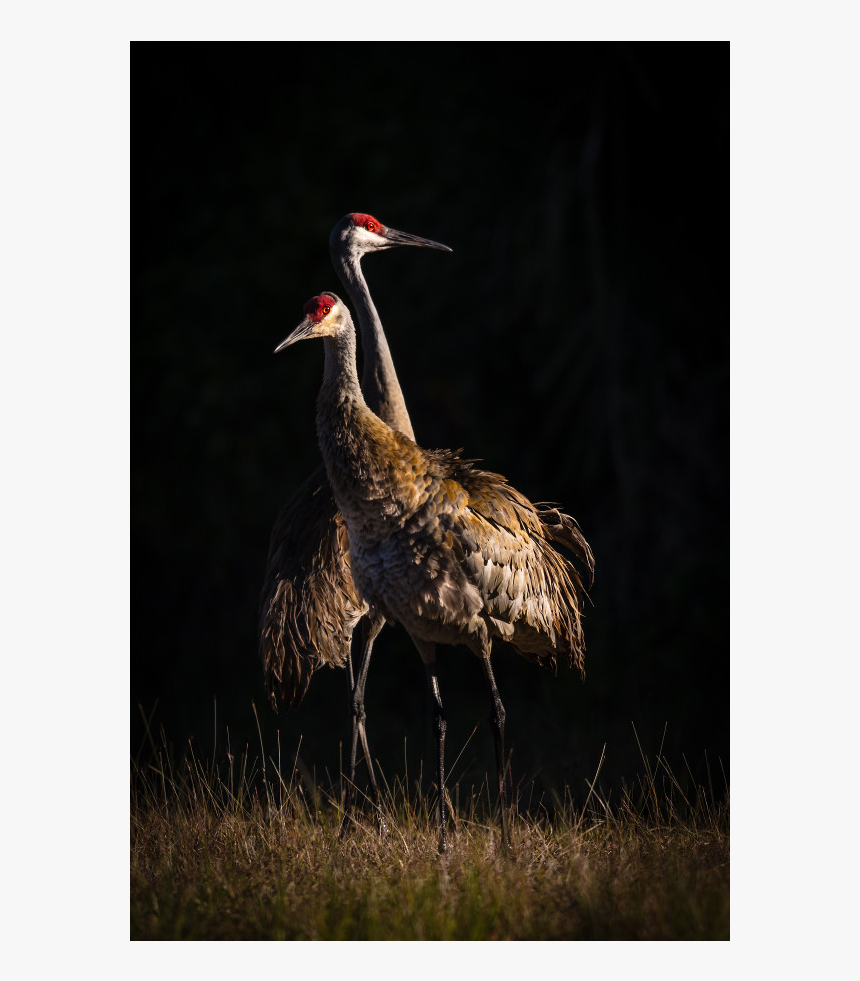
column 249, row 848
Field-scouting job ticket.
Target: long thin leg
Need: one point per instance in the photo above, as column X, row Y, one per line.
column 440, row 725
column 427, row 651
column 497, row 720
column 370, row 630
column 350, row 783
column 350, row 687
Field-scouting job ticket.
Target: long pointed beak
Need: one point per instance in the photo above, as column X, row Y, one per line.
column 305, row 329
column 404, row 238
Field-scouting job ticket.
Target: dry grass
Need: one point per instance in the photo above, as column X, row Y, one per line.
column 243, row 854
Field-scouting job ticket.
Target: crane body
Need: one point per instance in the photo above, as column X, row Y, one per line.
column 454, row 553
column 309, row 606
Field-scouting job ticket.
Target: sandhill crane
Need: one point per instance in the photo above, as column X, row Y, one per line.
column 454, row 553
column 309, row 606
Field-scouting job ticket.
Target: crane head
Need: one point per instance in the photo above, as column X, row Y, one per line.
column 357, row 234
column 325, row 315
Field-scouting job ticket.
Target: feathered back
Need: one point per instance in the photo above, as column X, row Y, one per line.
column 309, row 606
column 533, row 592
column 487, row 550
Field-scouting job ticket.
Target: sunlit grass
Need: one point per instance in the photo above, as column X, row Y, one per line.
column 251, row 849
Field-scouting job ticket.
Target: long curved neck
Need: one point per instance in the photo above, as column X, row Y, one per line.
column 340, row 376
column 379, row 379
column 372, row 485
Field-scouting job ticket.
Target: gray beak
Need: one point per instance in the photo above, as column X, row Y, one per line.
column 305, row 329
column 404, row 238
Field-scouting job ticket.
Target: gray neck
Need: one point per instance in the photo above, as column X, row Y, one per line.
column 340, row 376
column 342, row 417
column 379, row 379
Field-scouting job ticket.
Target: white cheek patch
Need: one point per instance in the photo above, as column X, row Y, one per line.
column 366, row 239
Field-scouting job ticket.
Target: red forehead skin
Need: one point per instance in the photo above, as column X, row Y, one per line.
column 363, row 220
column 315, row 308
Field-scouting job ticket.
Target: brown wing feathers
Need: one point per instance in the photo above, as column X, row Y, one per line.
column 309, row 606
column 534, row 593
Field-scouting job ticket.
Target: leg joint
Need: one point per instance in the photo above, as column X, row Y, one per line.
column 358, row 712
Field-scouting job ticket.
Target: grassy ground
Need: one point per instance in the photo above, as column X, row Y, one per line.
column 242, row 854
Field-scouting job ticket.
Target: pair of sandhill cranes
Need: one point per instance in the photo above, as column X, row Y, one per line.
column 387, row 531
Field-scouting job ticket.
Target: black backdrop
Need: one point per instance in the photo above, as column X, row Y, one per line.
column 576, row 340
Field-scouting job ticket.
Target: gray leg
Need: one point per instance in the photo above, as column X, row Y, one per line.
column 497, row 721
column 440, row 725
column 370, row 629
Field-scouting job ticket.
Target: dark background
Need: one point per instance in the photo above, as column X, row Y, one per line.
column 576, row 341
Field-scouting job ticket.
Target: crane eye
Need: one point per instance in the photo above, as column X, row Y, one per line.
column 370, row 226
column 326, row 310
